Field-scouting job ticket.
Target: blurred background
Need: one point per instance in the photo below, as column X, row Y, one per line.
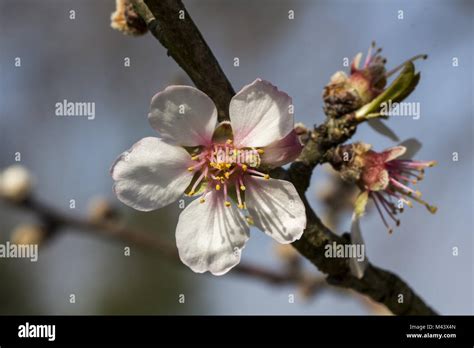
column 82, row 59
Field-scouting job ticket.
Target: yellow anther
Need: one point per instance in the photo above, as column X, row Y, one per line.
column 433, row 163
column 194, row 158
column 242, row 188
column 227, row 203
column 229, row 141
column 191, row 193
column 202, row 200
column 266, row 176
column 218, row 187
column 227, row 175
column 261, row 151
column 228, row 165
column 244, row 167
column 190, row 169
column 240, row 206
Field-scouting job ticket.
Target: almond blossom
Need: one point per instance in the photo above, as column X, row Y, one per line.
column 386, row 179
column 224, row 164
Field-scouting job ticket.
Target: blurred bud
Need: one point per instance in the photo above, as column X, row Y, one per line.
column 100, row 209
column 126, row 20
column 287, row 253
column 15, row 183
column 345, row 94
column 28, row 234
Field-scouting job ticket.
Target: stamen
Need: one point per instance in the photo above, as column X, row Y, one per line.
column 381, row 215
column 196, row 166
column 218, row 187
column 253, row 171
column 409, row 191
column 198, row 181
column 227, row 203
column 431, row 208
column 239, row 198
column 241, row 184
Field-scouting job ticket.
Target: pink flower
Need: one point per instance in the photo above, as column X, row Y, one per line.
column 387, row 181
column 221, row 163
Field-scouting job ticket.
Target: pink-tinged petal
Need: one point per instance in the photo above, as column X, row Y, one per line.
column 152, row 174
column 276, row 208
column 210, row 236
column 183, row 115
column 357, row 265
column 394, row 152
column 379, row 181
column 260, row 114
column 282, row 151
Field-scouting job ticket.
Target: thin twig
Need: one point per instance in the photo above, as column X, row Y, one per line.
column 55, row 220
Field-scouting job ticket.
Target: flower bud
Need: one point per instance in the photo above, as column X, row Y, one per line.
column 28, row 234
column 345, row 94
column 126, row 20
column 100, row 209
column 15, row 183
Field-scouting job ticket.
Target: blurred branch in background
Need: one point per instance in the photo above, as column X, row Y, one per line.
column 171, row 24
column 103, row 221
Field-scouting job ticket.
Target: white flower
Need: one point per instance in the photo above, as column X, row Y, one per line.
column 220, row 163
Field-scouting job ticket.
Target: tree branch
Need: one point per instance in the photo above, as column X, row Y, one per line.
column 186, row 45
column 53, row 220
column 171, row 24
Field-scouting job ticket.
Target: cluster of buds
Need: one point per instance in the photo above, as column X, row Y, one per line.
column 345, row 94
column 364, row 90
column 383, row 177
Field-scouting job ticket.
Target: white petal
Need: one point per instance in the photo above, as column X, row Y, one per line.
column 276, row 208
column 357, row 266
column 151, row 174
column 260, row 115
column 183, row 115
column 211, row 236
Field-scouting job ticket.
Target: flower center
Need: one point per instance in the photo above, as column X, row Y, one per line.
column 222, row 166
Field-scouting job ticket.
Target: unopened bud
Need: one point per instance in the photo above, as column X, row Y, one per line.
column 15, row 183
column 28, row 234
column 100, row 209
column 126, row 20
column 345, row 94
